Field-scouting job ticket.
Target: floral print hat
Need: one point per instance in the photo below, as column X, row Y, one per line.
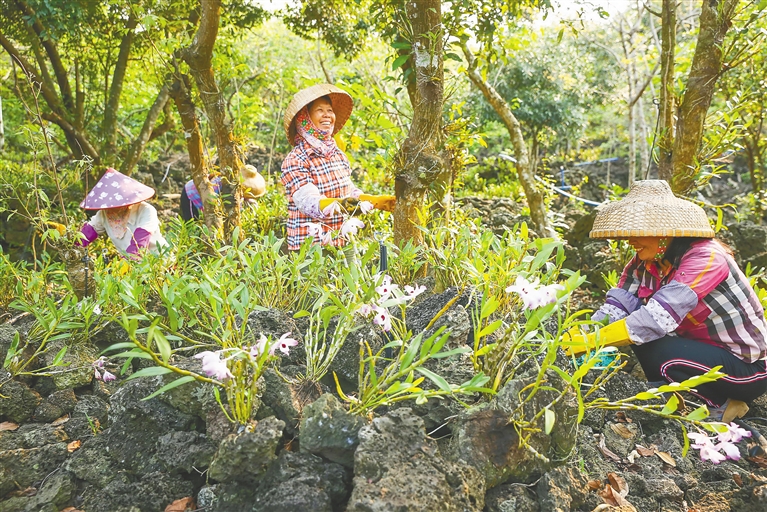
column 115, row 190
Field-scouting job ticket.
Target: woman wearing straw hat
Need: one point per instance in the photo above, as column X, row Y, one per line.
column 682, row 303
column 253, row 186
column 316, row 173
column 129, row 221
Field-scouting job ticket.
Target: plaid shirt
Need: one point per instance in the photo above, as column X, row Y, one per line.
column 331, row 176
column 194, row 195
column 707, row 299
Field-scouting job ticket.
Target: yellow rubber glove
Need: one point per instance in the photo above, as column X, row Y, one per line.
column 61, row 228
column 614, row 335
column 383, row 202
column 347, row 203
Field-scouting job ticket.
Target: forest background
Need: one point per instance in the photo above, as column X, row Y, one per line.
column 582, row 83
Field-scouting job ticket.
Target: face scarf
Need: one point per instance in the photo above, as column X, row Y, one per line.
column 118, row 220
column 321, row 141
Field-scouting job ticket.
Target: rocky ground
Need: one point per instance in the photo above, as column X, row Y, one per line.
column 79, row 442
column 76, row 443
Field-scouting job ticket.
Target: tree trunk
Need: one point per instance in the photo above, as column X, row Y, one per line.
column 526, row 175
column 715, row 20
column 419, row 162
column 644, row 151
column 198, row 56
column 134, row 153
column 179, row 91
column 2, row 126
column 667, row 98
column 109, row 126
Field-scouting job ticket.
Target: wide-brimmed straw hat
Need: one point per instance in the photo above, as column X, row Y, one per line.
column 115, row 190
column 340, row 99
column 651, row 209
column 253, row 183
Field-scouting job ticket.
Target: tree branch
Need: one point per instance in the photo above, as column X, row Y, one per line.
column 109, row 126
column 142, row 138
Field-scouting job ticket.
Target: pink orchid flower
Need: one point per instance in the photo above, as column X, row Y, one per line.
column 382, row 318
column 350, row 227
column 108, row 377
column 213, row 366
column 285, row 342
column 414, row 292
column 365, row 206
column 313, row 228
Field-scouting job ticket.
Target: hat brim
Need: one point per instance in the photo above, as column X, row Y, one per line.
column 340, row 99
column 651, row 210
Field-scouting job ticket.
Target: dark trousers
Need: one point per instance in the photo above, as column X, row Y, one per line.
column 675, row 359
column 188, row 210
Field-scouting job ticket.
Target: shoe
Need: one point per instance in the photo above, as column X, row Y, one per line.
column 728, row 411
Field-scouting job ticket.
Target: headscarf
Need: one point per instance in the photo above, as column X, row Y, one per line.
column 118, row 220
column 320, row 140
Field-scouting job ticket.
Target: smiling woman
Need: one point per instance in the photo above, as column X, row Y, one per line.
column 682, row 303
column 316, row 173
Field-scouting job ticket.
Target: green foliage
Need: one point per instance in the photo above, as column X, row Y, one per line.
column 397, row 380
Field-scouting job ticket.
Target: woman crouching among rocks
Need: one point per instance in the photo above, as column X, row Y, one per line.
column 681, row 303
column 123, row 215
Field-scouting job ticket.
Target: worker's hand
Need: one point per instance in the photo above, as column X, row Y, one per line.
column 614, row 335
column 329, row 206
column 382, row 202
column 61, row 228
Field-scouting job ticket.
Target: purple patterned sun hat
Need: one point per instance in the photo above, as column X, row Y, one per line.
column 115, row 190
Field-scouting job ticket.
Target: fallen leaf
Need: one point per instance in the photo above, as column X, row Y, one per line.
column 759, row 461
column 609, row 495
column 665, row 457
column 182, row 505
column 8, row 426
column 606, row 451
column 644, row 452
column 621, row 430
column 22, row 493
column 738, row 480
column 71, row 509
column 60, row 421
column 618, row 484
column 74, row 445
column 621, row 416
column 593, row 485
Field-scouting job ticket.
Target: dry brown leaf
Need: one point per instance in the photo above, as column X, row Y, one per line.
column 665, row 457
column 182, row 505
column 645, row 452
column 8, row 426
column 618, row 484
column 74, row 445
column 759, row 461
column 593, row 485
column 737, row 479
column 608, row 495
column 621, row 430
column 71, row 509
column 23, row 493
column 621, row 416
column 605, row 450
column 60, row 421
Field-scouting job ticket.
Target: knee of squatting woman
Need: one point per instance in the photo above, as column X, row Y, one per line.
column 681, row 303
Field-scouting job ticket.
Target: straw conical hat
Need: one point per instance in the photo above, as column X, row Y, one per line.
column 115, row 190
column 341, row 101
column 252, row 182
column 651, row 209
